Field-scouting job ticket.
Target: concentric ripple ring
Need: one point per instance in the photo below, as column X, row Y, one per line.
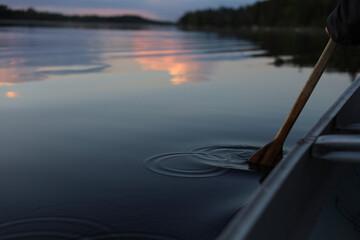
column 226, row 156
column 186, row 165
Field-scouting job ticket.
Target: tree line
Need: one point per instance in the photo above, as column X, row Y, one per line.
column 270, row 13
column 32, row 14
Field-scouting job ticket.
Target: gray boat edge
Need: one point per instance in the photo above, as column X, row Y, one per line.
column 289, row 201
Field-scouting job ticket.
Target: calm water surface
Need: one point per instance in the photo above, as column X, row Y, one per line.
column 139, row 134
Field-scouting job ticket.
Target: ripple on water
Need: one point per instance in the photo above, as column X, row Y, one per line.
column 131, row 236
column 226, row 156
column 185, row 165
column 49, row 228
column 210, row 161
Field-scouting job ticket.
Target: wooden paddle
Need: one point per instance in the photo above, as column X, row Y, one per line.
column 269, row 155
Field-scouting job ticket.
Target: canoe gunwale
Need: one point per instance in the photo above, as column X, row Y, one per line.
column 289, row 201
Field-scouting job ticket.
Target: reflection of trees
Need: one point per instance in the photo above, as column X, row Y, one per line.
column 303, row 49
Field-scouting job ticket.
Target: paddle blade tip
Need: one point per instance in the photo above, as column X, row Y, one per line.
column 266, row 157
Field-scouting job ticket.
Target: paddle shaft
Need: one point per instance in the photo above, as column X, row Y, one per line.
column 306, row 91
column 270, row 154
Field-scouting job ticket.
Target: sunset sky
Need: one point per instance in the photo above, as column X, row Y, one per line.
column 159, row 9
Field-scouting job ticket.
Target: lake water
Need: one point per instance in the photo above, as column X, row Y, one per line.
column 144, row 134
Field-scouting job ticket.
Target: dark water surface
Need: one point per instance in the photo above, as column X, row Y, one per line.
column 144, row 134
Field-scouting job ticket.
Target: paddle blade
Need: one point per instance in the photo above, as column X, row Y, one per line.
column 267, row 157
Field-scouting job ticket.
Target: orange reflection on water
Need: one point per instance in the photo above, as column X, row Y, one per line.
column 16, row 71
column 9, row 74
column 181, row 68
column 12, row 95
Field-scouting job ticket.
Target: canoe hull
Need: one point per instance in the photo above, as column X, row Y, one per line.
column 289, row 201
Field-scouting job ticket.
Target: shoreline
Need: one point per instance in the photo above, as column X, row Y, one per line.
column 255, row 29
column 79, row 24
column 114, row 25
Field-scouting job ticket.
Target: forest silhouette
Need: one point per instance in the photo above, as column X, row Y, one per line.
column 271, row 13
column 31, row 14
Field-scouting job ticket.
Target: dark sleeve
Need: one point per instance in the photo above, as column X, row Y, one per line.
column 343, row 23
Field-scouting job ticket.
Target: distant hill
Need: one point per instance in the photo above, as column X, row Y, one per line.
column 269, row 13
column 31, row 14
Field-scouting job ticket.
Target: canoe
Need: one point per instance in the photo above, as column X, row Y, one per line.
column 291, row 202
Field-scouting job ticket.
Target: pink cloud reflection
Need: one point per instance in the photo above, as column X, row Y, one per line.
column 181, row 68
